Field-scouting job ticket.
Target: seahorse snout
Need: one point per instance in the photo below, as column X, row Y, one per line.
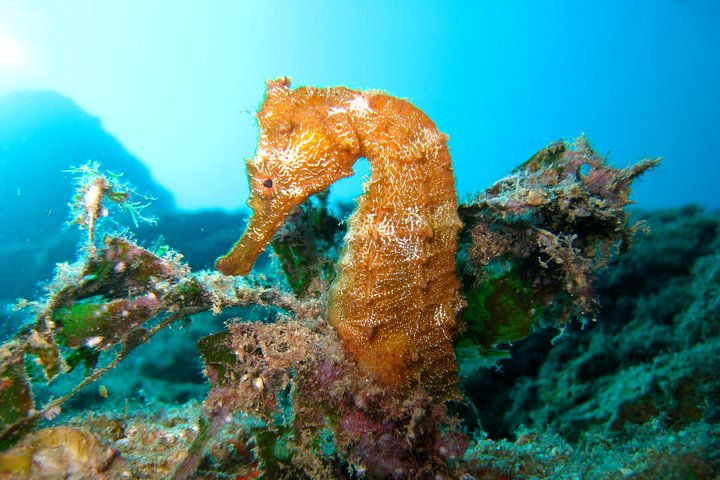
column 266, row 219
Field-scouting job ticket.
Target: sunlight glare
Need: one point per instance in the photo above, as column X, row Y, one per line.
column 13, row 55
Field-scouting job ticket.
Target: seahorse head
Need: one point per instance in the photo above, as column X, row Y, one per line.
column 305, row 145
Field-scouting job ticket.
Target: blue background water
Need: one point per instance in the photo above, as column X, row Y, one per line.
column 177, row 83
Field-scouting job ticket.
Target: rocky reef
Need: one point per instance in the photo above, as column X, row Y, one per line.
column 588, row 348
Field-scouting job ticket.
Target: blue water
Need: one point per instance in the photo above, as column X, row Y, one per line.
column 177, row 85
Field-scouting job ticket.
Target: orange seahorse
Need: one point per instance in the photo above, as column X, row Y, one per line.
column 395, row 300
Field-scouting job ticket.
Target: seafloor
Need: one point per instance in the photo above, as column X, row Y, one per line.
column 633, row 394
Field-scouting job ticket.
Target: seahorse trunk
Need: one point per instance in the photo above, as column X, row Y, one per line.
column 395, row 299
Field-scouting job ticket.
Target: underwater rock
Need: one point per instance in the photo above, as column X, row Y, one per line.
column 199, row 235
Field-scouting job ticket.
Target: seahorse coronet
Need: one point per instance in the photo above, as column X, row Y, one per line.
column 395, row 300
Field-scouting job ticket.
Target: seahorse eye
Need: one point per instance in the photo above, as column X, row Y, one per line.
column 268, row 183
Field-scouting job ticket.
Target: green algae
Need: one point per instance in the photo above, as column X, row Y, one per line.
column 16, row 399
column 503, row 308
column 83, row 320
column 96, row 322
column 272, row 449
column 217, row 357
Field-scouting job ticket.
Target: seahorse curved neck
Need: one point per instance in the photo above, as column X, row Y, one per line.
column 395, row 299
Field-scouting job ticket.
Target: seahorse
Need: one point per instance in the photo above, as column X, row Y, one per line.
column 395, row 301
